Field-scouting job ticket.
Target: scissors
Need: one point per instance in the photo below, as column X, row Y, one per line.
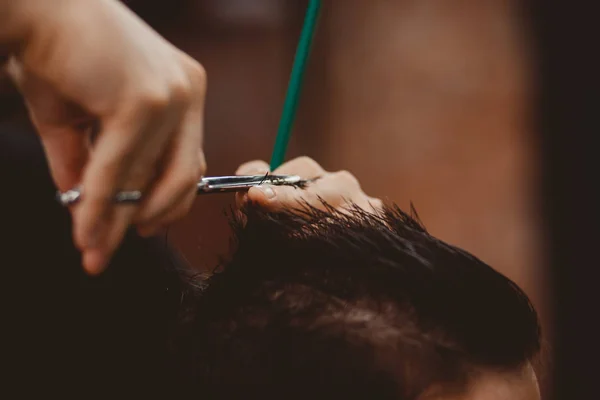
column 207, row 185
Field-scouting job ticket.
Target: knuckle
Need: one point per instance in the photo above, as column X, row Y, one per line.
column 180, row 91
column 253, row 167
column 347, row 178
column 308, row 163
column 187, row 180
column 155, row 99
column 376, row 203
column 197, row 76
column 198, row 73
column 306, row 160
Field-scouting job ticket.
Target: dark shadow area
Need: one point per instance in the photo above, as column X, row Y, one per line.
column 569, row 125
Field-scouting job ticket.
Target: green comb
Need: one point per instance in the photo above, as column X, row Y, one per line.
column 293, row 92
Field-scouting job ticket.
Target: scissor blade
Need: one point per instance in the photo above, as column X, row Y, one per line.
column 243, row 182
column 214, row 184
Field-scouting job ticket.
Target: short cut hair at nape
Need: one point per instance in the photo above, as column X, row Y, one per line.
column 353, row 304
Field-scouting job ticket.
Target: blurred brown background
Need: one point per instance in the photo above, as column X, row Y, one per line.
column 424, row 101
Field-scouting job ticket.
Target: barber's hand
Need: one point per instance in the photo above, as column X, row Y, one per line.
column 95, row 61
column 340, row 189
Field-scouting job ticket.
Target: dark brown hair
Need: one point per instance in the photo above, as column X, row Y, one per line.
column 354, row 303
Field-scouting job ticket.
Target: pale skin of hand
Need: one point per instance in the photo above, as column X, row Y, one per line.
column 339, row 189
column 79, row 62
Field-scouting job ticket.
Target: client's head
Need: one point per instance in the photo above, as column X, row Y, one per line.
column 316, row 302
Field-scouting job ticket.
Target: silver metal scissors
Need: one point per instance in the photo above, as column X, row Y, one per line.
column 208, row 185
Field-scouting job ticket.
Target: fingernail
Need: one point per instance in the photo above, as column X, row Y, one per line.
column 94, row 261
column 267, row 191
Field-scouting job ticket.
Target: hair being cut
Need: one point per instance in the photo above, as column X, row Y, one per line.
column 350, row 303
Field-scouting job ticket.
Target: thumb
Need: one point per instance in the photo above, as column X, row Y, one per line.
column 67, row 153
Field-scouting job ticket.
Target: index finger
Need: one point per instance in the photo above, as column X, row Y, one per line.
column 123, row 159
column 256, row 167
column 305, row 167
